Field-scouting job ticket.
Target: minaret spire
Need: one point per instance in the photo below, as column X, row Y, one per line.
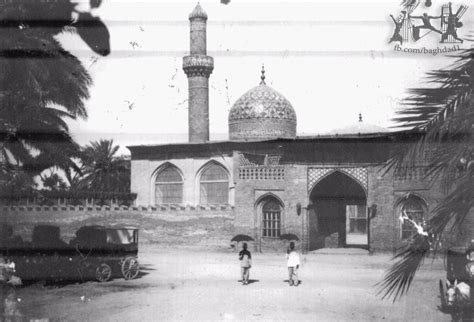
column 198, row 67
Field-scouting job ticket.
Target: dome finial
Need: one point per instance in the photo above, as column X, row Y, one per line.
column 262, row 82
column 360, row 117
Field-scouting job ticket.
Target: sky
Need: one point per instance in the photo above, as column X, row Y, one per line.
column 330, row 59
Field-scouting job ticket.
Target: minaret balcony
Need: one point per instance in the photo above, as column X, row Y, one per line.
column 198, row 65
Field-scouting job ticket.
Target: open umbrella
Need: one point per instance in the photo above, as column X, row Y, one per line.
column 241, row 237
column 289, row 237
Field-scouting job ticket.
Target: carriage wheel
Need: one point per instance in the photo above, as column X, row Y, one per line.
column 442, row 295
column 130, row 268
column 103, row 272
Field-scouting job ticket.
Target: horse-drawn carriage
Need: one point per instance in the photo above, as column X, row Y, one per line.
column 108, row 252
column 95, row 253
column 457, row 292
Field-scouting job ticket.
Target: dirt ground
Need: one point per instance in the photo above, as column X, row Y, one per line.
column 191, row 285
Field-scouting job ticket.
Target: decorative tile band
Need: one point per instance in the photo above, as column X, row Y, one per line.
column 316, row 174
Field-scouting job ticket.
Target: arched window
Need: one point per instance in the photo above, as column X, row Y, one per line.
column 415, row 209
column 271, row 218
column 169, row 186
column 214, row 185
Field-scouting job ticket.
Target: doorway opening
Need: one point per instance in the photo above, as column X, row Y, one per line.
column 338, row 213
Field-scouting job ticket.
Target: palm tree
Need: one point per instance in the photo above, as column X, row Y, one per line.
column 42, row 84
column 103, row 170
column 53, row 182
column 444, row 114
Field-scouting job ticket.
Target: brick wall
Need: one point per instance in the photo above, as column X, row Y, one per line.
column 202, row 227
column 143, row 174
column 383, row 227
column 386, row 191
column 289, row 191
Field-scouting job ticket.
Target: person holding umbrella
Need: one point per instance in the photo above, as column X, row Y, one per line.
column 245, row 263
column 293, row 263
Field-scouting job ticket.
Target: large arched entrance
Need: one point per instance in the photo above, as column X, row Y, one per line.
column 338, row 213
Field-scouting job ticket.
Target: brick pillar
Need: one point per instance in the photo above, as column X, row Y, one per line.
column 198, row 67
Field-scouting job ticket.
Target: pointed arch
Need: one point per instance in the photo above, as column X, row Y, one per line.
column 315, row 175
column 259, row 200
column 213, row 180
column 355, row 187
column 162, row 167
column 413, row 206
column 408, row 196
column 167, row 185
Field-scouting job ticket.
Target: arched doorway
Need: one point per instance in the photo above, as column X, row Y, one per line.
column 338, row 213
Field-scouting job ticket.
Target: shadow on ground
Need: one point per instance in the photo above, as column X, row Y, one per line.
column 62, row 282
column 250, row 281
column 299, row 282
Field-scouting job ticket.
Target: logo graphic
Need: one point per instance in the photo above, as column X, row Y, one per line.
column 414, row 27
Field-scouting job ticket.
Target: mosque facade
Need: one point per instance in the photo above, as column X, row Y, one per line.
column 330, row 190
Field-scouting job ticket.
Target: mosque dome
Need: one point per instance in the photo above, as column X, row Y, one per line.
column 262, row 114
column 359, row 128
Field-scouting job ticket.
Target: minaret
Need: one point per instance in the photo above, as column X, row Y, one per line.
column 198, row 66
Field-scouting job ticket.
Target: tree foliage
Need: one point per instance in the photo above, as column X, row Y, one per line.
column 103, row 170
column 15, row 183
column 41, row 83
column 53, row 182
column 444, row 112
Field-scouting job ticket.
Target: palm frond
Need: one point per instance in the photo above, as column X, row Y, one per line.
column 46, row 83
column 450, row 89
column 444, row 115
column 408, row 3
column 409, row 257
column 448, row 215
column 94, row 33
column 455, row 207
column 102, row 169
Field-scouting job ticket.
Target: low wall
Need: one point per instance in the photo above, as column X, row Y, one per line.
column 201, row 227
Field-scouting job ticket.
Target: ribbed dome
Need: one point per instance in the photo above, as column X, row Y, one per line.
column 262, row 113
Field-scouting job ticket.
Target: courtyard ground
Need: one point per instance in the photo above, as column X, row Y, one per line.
column 202, row 286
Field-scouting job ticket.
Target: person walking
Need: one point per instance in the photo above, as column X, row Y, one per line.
column 293, row 263
column 245, row 263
